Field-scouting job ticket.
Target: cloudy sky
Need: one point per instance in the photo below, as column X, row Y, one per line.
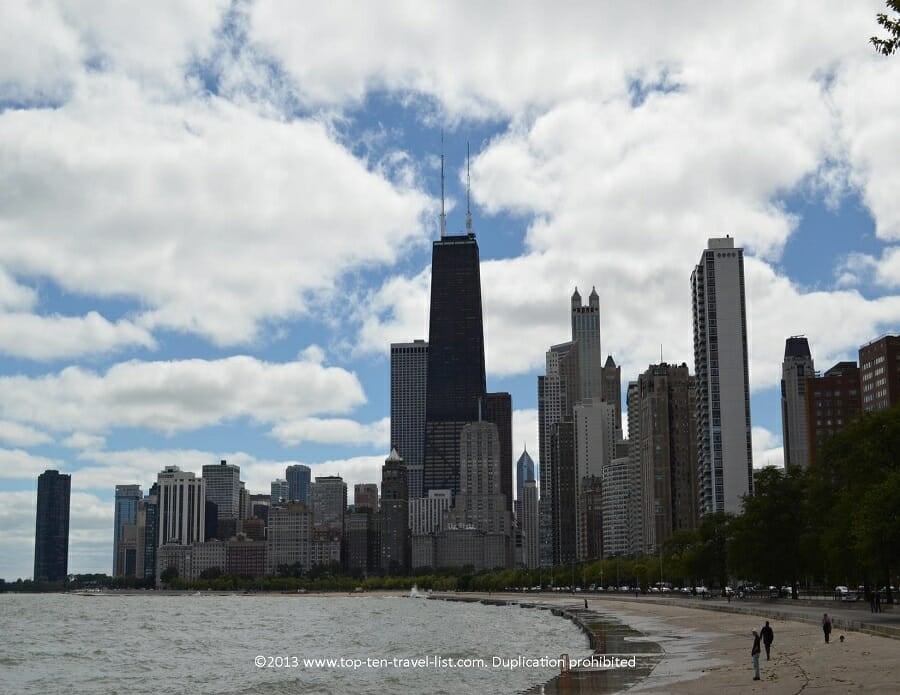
column 216, row 216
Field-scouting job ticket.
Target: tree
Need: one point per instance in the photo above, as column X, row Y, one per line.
column 168, row 575
column 890, row 45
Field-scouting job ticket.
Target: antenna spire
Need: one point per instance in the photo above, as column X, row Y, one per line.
column 443, row 213
column 468, row 187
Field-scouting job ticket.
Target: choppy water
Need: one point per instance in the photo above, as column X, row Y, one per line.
column 59, row 643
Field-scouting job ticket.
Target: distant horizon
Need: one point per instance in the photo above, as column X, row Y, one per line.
column 217, row 219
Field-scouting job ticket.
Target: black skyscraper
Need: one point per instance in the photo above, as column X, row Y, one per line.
column 51, row 536
column 455, row 381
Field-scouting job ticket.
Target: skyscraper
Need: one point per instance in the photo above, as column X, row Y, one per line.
column 455, row 377
column 51, row 535
column 298, row 479
column 223, row 487
column 365, row 496
column 281, row 491
column 833, row 400
column 125, row 559
column 329, row 502
column 879, row 372
column 394, row 515
column 529, row 524
column 497, row 409
column 667, row 442
column 796, row 370
column 524, row 472
column 725, row 450
column 409, row 367
column 182, row 507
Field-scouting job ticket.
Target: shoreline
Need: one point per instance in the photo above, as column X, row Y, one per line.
column 706, row 648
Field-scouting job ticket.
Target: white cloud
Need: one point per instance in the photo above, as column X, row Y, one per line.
column 189, row 207
column 19, row 464
column 64, row 337
column 22, row 435
column 767, row 448
column 84, row 441
column 334, row 431
column 178, row 395
column 13, row 296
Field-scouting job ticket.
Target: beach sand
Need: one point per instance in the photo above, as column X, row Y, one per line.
column 709, row 652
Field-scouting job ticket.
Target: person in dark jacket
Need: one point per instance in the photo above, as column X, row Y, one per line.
column 826, row 627
column 754, row 654
column 768, row 636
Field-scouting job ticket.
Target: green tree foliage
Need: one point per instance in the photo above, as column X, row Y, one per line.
column 889, row 45
column 768, row 539
column 710, row 563
column 855, row 497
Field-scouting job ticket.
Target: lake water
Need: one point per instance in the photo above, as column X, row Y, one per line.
column 109, row 643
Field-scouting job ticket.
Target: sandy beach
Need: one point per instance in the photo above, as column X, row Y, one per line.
column 707, row 651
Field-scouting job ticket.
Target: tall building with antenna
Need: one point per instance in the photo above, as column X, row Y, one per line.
column 455, row 384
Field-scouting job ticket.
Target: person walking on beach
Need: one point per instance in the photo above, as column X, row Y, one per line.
column 754, row 654
column 826, row 627
column 768, row 636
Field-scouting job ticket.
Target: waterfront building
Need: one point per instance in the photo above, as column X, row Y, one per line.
column 175, row 557
column 721, row 366
column 147, row 534
column 223, row 487
column 667, row 444
column 612, row 389
column 245, row 557
column 298, row 480
column 329, row 502
column 363, row 540
column 289, row 537
column 409, row 368
column 879, row 373
column 125, row 551
column 182, row 507
column 530, row 525
column 51, row 535
column 455, row 374
column 496, row 408
column 618, row 498
column 796, row 369
column 429, row 514
column 395, row 556
column 832, row 401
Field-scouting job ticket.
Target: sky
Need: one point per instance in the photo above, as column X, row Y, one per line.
column 215, row 217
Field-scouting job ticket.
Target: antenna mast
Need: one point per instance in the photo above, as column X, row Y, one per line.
column 468, row 187
column 443, row 214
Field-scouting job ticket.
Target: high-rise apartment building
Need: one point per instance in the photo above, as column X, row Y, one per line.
column 796, row 370
column 530, row 525
column 223, row 487
column 182, row 507
column 879, row 373
column 127, row 499
column 480, row 502
column 394, row 515
column 455, row 378
column 329, row 502
column 832, row 402
column 667, row 442
column 725, row 450
column 51, row 535
column 630, row 481
column 298, row 479
column 409, row 369
column 429, row 514
column 612, row 388
column 289, row 537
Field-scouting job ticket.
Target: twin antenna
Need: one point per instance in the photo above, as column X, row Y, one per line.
column 468, row 189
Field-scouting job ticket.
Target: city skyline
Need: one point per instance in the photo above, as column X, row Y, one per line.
column 210, row 238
